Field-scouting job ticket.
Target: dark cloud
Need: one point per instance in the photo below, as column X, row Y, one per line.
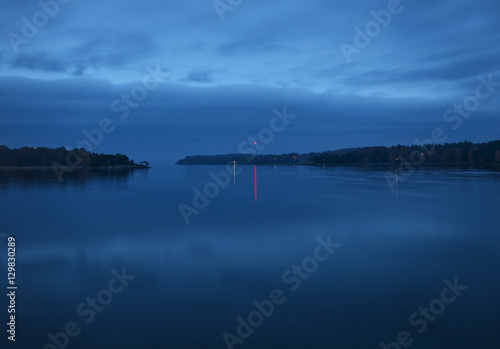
column 38, row 61
column 114, row 50
column 453, row 70
column 217, row 119
column 254, row 46
column 79, row 69
column 199, row 76
column 231, row 74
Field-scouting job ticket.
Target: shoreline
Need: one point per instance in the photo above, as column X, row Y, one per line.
column 75, row 168
column 493, row 166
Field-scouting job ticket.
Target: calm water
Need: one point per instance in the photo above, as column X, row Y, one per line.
column 193, row 281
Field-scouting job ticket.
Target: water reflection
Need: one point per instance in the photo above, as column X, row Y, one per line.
column 194, row 281
column 255, row 182
column 46, row 178
column 234, row 174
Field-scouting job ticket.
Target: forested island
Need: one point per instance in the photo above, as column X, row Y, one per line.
column 449, row 154
column 38, row 157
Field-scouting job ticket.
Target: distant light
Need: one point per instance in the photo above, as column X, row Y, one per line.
column 254, row 142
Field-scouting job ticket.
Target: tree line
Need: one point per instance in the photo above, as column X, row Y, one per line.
column 463, row 153
column 40, row 156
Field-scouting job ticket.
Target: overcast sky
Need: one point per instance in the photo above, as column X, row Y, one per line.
column 229, row 66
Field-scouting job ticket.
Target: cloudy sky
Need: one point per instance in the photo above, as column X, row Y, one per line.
column 353, row 75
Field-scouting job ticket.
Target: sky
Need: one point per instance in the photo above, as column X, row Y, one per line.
column 166, row 79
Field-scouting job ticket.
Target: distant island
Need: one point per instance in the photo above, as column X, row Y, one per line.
column 449, row 154
column 40, row 157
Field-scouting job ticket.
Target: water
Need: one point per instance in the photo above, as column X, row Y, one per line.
column 193, row 281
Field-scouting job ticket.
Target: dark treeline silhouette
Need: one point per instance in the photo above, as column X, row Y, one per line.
column 240, row 159
column 39, row 156
column 463, row 153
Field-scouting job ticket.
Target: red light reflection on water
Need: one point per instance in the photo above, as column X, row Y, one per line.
column 255, row 168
